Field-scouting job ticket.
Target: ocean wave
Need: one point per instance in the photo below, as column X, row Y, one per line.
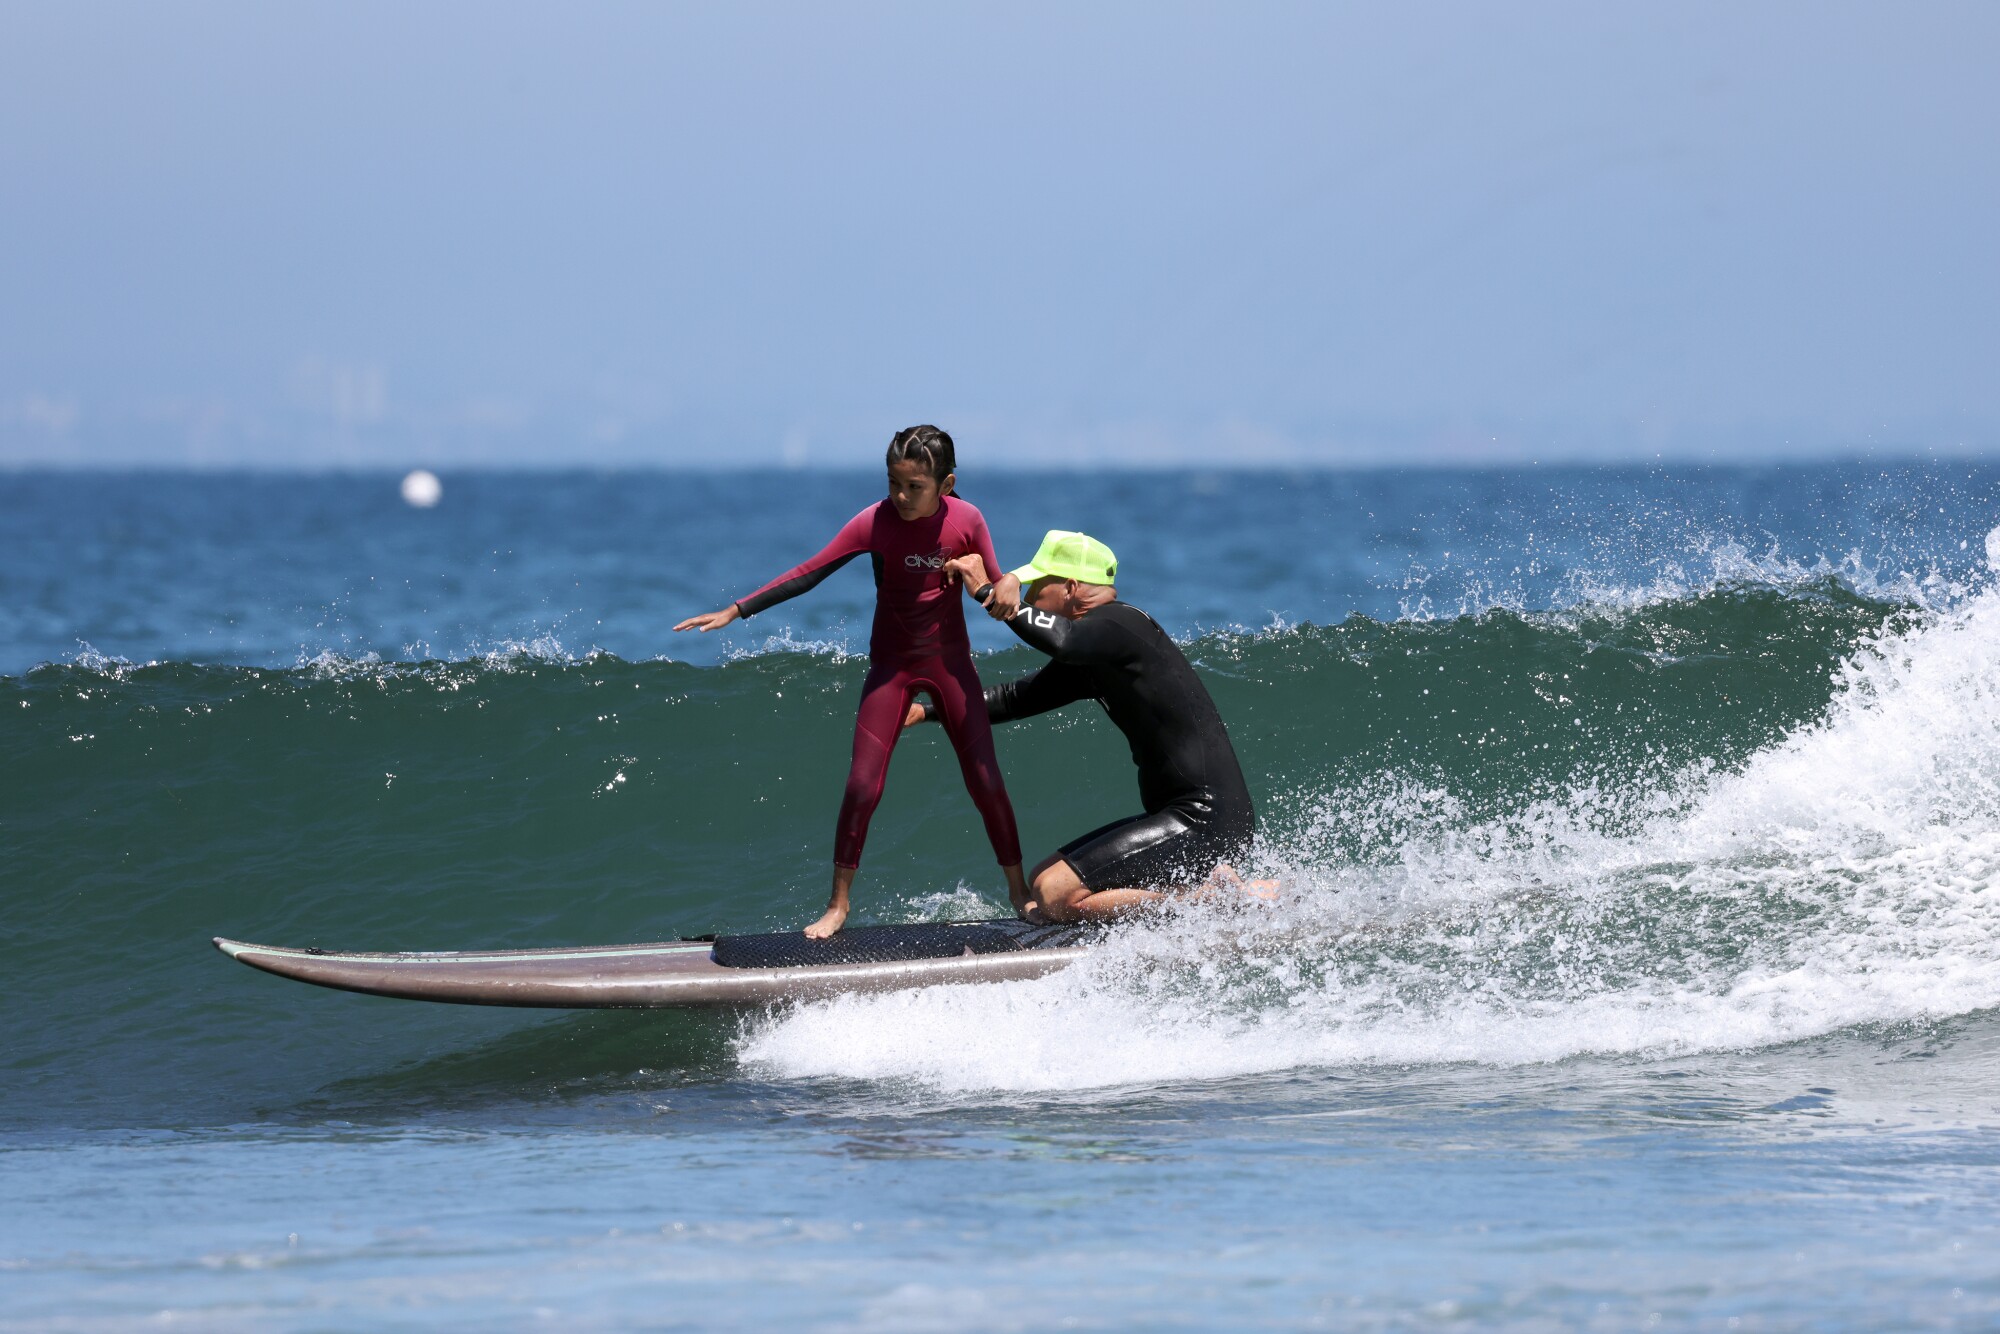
column 1705, row 563
column 1847, row 874
column 1736, row 818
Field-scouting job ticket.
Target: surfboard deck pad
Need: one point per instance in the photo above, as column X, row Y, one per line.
column 894, row 944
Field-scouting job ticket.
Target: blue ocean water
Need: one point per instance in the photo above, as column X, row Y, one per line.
column 1638, row 963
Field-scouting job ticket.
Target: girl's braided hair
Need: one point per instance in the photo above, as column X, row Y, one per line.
column 926, row 445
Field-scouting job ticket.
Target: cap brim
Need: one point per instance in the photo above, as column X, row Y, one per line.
column 1027, row 574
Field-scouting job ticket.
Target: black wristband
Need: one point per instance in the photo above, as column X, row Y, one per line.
column 930, row 712
column 983, row 594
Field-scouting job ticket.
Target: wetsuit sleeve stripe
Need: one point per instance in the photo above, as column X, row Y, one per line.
column 800, row 579
column 849, row 542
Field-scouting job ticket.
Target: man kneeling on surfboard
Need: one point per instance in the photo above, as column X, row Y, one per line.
column 1198, row 815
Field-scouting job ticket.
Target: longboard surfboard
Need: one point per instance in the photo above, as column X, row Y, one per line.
column 725, row 970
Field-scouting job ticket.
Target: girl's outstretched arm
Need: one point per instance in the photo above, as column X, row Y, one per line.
column 848, row 543
column 853, row 538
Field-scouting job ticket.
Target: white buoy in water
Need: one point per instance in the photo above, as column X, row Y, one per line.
column 422, row 489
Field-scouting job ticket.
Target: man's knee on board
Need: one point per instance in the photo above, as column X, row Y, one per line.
column 1058, row 890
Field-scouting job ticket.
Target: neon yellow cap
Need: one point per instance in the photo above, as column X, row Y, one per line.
column 1077, row 556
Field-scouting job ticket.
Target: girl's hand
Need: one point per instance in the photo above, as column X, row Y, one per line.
column 915, row 714
column 713, row 620
column 970, row 568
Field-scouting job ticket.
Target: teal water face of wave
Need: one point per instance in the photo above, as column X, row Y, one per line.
column 1468, row 789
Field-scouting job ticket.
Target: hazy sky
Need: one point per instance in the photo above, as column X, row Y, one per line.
column 621, row 233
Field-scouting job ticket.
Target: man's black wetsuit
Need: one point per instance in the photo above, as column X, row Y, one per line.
column 1198, row 809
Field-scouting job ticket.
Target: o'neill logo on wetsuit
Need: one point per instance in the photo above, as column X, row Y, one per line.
column 934, row 561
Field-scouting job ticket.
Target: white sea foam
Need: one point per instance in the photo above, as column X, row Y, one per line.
column 89, row 659
column 1848, row 875
column 506, row 655
column 833, row 650
column 509, row 654
column 331, row 665
column 960, row 903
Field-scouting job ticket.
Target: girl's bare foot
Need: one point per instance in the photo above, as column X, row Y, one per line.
column 829, row 923
column 837, row 903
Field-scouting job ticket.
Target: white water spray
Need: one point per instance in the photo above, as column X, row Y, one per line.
column 1848, row 875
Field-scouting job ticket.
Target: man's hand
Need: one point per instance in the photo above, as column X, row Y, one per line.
column 713, row 620
column 915, row 714
column 971, row 568
column 1006, row 596
column 1006, row 599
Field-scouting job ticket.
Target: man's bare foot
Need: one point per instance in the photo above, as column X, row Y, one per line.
column 1225, row 876
column 831, row 922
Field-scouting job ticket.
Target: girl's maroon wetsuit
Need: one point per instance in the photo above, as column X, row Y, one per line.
column 918, row 644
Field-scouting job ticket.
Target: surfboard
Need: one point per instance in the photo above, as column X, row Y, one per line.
column 721, row 970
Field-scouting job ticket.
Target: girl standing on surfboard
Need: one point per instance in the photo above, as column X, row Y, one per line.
column 917, row 644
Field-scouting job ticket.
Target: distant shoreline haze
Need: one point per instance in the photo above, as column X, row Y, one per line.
column 334, row 235
column 991, row 451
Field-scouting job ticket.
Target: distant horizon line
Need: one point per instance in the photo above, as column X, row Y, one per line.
column 1557, row 460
